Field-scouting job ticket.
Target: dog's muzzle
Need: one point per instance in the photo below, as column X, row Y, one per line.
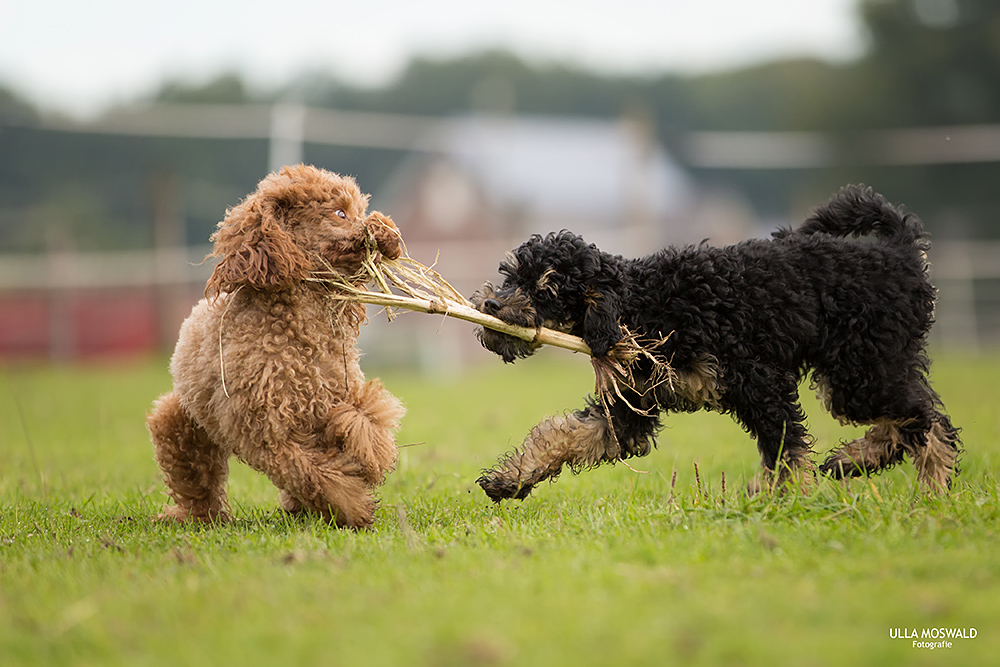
column 491, row 307
column 511, row 307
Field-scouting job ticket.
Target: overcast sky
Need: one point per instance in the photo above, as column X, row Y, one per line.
column 80, row 57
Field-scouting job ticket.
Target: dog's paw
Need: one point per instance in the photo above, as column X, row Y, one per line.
column 290, row 503
column 499, row 488
column 385, row 234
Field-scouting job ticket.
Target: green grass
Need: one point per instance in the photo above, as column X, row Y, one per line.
column 610, row 567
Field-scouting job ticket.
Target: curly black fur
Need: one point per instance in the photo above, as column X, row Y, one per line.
column 746, row 323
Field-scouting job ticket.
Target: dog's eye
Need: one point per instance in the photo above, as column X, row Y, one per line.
column 340, row 214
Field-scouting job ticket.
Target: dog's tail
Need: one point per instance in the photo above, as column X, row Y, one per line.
column 856, row 210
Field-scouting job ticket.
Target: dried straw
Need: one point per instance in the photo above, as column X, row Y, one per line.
column 425, row 290
column 405, row 283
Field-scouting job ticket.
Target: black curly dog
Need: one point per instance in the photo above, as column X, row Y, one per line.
column 741, row 326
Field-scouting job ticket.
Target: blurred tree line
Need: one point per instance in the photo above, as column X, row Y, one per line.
column 929, row 63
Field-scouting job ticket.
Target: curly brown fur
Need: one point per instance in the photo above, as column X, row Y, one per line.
column 741, row 326
column 266, row 370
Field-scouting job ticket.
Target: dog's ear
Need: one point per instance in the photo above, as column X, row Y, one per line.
column 256, row 249
column 602, row 301
column 600, row 321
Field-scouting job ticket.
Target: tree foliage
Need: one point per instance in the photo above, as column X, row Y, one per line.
column 930, row 63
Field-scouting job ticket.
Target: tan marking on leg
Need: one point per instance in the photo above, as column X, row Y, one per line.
column 880, row 446
column 824, row 394
column 797, row 470
column 936, row 461
column 699, row 384
column 574, row 440
column 794, row 471
column 884, row 444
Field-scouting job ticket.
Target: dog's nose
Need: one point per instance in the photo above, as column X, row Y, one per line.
column 492, row 306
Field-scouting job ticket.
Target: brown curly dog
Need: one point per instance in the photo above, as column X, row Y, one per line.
column 266, row 369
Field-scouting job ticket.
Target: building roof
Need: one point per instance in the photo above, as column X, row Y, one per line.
column 590, row 168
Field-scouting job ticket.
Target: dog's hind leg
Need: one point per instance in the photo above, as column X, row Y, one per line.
column 881, row 447
column 931, row 441
column 194, row 468
column 906, row 420
column 937, row 460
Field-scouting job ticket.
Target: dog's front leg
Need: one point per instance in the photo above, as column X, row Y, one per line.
column 332, row 470
column 364, row 425
column 581, row 439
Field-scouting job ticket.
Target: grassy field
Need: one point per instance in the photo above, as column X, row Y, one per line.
column 615, row 566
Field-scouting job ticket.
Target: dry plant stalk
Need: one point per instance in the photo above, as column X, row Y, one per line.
column 406, row 283
column 425, row 290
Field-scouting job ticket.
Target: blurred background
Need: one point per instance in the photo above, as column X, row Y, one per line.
column 127, row 130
